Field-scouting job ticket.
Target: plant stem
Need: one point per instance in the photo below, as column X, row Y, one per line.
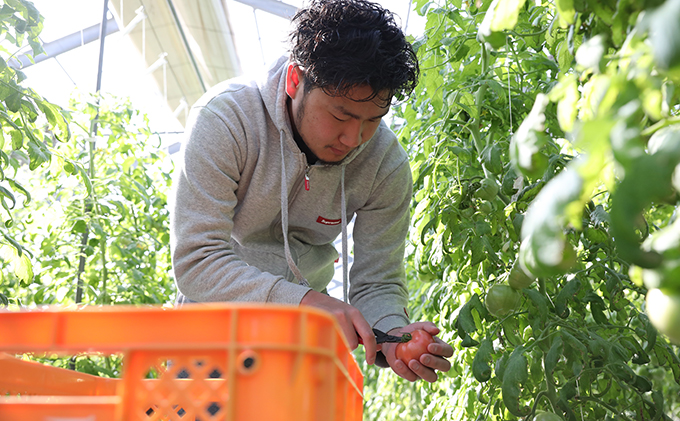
column 660, row 125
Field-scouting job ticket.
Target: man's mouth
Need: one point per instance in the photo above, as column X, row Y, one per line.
column 338, row 152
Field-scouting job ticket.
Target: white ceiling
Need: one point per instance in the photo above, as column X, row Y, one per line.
column 225, row 38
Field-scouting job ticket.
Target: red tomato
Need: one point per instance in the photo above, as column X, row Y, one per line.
column 417, row 346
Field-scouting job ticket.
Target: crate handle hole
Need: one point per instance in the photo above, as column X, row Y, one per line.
column 248, row 362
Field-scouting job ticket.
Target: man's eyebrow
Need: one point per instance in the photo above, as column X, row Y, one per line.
column 343, row 110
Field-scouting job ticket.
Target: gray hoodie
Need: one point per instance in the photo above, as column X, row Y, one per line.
column 241, row 185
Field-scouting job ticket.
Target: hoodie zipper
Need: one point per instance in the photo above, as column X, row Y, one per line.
column 307, row 177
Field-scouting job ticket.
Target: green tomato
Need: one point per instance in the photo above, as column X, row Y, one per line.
column 519, row 278
column 502, row 300
column 517, row 222
column 666, row 242
column 547, row 416
column 508, row 182
column 596, row 235
column 486, row 207
column 491, row 157
column 663, row 309
column 487, row 190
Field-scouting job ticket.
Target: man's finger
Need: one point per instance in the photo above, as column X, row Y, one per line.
column 423, row 372
column 403, row 371
column 440, row 348
column 364, row 331
column 435, row 363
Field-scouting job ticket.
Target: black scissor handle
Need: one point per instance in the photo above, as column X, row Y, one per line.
column 382, row 337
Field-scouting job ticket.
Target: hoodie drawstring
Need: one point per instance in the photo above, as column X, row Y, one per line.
column 345, row 256
column 284, row 225
column 284, row 219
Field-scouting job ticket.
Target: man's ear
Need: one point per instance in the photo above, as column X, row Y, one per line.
column 293, row 79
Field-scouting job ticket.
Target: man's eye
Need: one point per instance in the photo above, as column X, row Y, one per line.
column 337, row 118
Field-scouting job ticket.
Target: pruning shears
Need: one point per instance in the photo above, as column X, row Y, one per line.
column 382, row 337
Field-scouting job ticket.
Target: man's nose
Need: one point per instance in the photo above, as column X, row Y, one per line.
column 352, row 135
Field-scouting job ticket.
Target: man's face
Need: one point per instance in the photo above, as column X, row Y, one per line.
column 332, row 126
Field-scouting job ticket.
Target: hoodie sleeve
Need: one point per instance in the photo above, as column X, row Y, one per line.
column 205, row 265
column 378, row 284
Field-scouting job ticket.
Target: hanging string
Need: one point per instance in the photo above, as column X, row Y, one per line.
column 259, row 38
column 165, row 80
column 144, row 40
column 408, row 15
column 508, row 60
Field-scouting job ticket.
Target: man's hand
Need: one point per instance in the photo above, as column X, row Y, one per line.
column 351, row 321
column 427, row 366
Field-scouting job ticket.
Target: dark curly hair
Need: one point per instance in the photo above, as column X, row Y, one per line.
column 341, row 44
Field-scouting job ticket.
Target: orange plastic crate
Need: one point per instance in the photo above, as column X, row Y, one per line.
column 201, row 362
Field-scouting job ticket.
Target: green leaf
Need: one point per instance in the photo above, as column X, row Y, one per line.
column 17, row 139
column 9, row 120
column 23, row 268
column 9, row 253
column 86, row 179
column 599, row 216
column 567, row 105
column 568, row 391
column 504, row 14
column 38, row 154
column 480, row 364
column 478, row 253
column 540, row 301
column 658, row 400
column 651, row 334
column 8, row 194
column 553, row 356
column 597, row 307
column 465, row 323
column 79, row 226
column 564, row 56
column 468, row 342
column 567, row 293
column 526, row 143
column 666, row 356
column 16, row 186
column 647, row 180
column 623, row 372
column 566, row 10
column 590, row 54
column 491, row 158
column 574, row 344
column 13, row 102
column 545, row 250
column 501, row 15
column 515, row 374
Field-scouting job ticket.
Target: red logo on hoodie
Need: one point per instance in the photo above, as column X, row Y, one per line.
column 325, row 221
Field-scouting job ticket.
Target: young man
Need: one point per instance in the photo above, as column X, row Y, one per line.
column 273, row 169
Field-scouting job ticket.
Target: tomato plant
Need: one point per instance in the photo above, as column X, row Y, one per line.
column 414, row 348
column 571, row 109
